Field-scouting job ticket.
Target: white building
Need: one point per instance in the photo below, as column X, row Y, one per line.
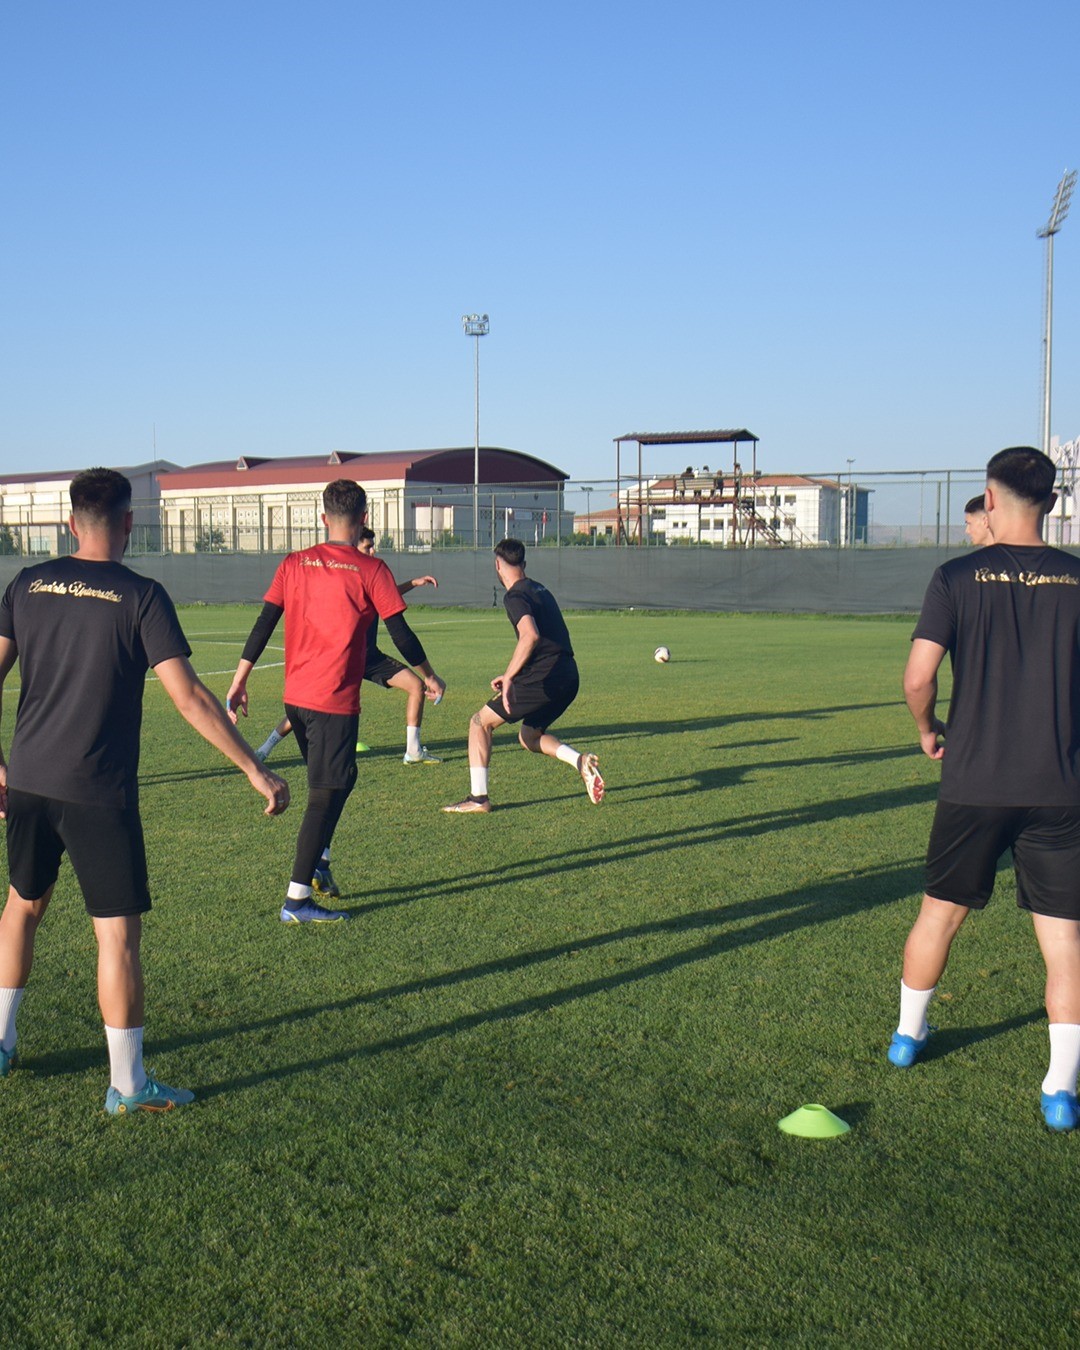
column 34, row 509
column 737, row 510
column 416, row 498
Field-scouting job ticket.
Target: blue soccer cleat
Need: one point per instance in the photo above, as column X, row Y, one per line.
column 310, row 912
column 324, row 885
column 905, row 1050
column 154, row 1096
column 8, row 1060
column 1061, row 1110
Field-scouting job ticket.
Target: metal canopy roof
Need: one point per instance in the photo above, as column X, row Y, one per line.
column 687, row 437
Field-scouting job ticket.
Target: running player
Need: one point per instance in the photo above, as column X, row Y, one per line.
column 329, row 595
column 387, row 673
column 537, row 686
column 84, row 630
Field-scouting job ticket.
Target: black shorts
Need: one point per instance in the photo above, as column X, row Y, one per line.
column 966, row 843
column 104, row 843
column 327, row 743
column 539, row 701
column 381, row 669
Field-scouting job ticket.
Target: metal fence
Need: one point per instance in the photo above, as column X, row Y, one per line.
column 693, row 509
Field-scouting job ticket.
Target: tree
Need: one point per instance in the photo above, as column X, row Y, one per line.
column 210, row 541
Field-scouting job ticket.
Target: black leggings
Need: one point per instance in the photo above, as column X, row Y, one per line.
column 324, row 808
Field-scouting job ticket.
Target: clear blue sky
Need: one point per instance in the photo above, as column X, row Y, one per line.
column 256, row 226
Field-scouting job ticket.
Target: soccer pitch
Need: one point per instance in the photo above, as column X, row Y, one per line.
column 529, row 1095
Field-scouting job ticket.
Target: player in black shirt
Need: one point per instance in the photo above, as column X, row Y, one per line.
column 537, row 686
column 85, row 630
column 1008, row 615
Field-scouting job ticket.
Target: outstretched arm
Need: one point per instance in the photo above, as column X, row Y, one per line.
column 198, row 706
column 920, row 692
column 404, row 587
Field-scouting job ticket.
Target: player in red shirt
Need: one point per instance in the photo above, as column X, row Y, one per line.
column 330, row 595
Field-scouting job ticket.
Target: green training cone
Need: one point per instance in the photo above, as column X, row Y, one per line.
column 362, row 749
column 814, row 1122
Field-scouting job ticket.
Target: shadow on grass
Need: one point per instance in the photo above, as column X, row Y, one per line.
column 616, row 731
column 726, row 929
column 623, row 850
column 945, row 1042
column 854, row 1113
column 712, row 780
column 653, row 727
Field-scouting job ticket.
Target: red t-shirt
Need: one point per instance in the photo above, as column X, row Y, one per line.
column 330, row 594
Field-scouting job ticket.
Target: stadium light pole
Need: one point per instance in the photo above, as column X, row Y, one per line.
column 476, row 326
column 1058, row 211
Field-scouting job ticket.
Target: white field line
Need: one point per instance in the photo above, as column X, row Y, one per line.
column 215, row 636
column 212, row 674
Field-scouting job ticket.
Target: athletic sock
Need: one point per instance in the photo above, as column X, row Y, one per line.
column 1064, row 1058
column 478, row 782
column 273, row 739
column 913, row 1006
column 568, row 755
column 412, row 741
column 296, row 895
column 125, row 1059
column 324, row 860
column 9, row 1006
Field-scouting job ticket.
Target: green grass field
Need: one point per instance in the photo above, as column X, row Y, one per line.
column 529, row 1095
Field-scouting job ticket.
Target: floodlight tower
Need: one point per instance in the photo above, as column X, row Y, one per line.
column 1058, row 212
column 476, row 326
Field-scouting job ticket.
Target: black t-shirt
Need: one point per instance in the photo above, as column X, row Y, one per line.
column 1009, row 617
column 529, row 597
column 86, row 633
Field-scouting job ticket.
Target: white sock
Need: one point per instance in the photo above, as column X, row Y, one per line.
column 913, row 1006
column 125, row 1059
column 1064, row 1058
column 478, row 784
column 297, row 891
column 9, row 1006
column 568, row 755
column 273, row 739
column 412, row 741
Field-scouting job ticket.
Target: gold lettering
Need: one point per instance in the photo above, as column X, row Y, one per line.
column 1026, row 578
column 77, row 589
column 328, row 564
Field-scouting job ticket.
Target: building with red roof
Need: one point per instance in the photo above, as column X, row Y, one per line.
column 415, row 498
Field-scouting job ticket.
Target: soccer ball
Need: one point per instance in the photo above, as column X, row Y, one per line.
column 662, row 654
